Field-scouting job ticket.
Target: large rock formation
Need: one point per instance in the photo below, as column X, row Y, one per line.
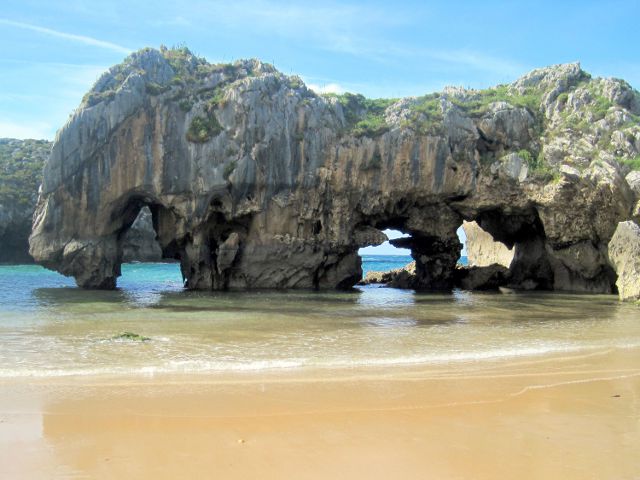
column 254, row 181
column 624, row 251
column 21, row 164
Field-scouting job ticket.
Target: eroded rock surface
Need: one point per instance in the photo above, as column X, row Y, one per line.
column 404, row 277
column 487, row 277
column 483, row 250
column 255, row 181
column 139, row 243
column 624, row 252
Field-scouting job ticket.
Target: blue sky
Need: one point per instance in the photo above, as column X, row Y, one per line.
column 52, row 51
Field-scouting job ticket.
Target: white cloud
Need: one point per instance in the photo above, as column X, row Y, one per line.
column 67, row 36
column 326, row 88
column 36, row 130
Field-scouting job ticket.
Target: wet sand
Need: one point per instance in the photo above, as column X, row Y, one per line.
column 571, row 417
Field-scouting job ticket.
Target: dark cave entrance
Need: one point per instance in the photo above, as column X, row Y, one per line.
column 504, row 249
column 209, row 257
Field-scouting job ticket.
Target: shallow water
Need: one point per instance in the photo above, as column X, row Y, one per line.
column 50, row 328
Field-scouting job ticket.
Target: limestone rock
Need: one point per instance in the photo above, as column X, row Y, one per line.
column 624, row 252
column 139, row 244
column 227, row 252
column 633, row 179
column 512, row 166
column 403, row 277
column 483, row 250
column 489, row 277
column 507, row 126
column 254, row 181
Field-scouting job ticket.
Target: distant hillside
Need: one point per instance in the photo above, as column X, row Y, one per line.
column 21, row 164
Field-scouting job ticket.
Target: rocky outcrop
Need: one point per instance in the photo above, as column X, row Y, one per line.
column 488, row 277
column 483, row 250
column 624, row 252
column 254, row 181
column 404, row 277
column 139, row 243
column 21, row 164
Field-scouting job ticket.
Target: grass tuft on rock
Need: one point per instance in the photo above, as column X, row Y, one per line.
column 632, row 163
column 364, row 116
column 229, row 168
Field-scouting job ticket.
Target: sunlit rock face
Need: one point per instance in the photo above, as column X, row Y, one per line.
column 483, row 250
column 624, row 252
column 254, row 181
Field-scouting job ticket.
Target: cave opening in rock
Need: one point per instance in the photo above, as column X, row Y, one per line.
column 484, row 261
column 139, row 247
column 386, row 256
column 462, row 236
column 481, row 249
column 139, row 242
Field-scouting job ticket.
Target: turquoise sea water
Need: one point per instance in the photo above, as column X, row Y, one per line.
column 384, row 263
column 48, row 327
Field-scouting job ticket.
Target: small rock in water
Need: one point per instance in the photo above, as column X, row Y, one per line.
column 131, row 336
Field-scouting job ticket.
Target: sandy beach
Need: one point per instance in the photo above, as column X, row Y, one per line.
column 568, row 417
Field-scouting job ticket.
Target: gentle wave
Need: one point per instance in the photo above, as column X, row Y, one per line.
column 198, row 366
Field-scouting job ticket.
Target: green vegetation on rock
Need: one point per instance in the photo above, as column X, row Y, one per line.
column 478, row 102
column 203, row 128
column 216, row 98
column 632, row 163
column 155, row 89
column 564, row 101
column 364, row 116
column 426, row 115
column 295, row 82
column 229, row 169
column 21, row 163
column 538, row 167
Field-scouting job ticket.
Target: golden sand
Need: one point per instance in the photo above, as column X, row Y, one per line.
column 574, row 417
